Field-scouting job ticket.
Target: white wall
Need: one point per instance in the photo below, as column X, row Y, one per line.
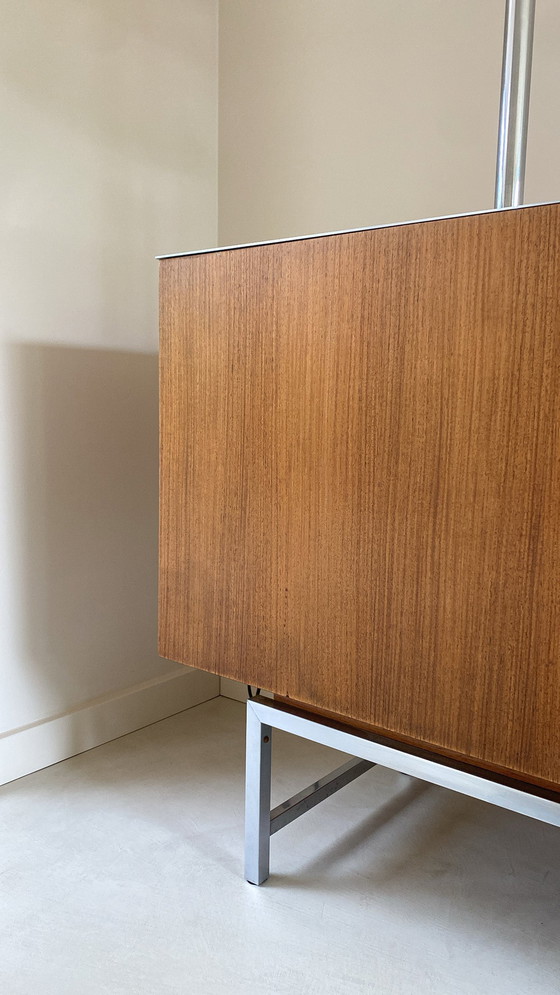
column 109, row 156
column 345, row 113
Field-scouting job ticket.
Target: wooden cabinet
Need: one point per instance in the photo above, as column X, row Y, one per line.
column 360, row 478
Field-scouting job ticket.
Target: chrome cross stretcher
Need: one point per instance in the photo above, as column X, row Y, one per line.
column 264, row 715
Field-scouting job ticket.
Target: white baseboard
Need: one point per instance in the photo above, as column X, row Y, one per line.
column 232, row 689
column 53, row 739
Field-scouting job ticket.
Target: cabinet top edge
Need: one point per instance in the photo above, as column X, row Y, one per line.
column 352, row 231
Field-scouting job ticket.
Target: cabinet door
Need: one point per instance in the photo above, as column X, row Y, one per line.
column 360, row 478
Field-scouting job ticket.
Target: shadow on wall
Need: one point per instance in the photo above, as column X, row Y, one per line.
column 84, row 475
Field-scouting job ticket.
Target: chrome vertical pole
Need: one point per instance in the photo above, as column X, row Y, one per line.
column 514, row 102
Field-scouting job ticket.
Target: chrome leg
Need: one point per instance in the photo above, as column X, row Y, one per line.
column 260, row 822
column 257, row 798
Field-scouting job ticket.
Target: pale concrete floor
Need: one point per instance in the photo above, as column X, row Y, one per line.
column 121, row 873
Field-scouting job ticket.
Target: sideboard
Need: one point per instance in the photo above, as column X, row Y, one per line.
column 360, row 479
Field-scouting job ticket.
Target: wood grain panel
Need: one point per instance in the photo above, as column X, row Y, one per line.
column 360, row 487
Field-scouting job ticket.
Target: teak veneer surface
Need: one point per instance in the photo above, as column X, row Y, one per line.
column 360, row 486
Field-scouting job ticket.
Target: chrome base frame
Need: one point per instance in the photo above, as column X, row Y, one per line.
column 264, row 715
